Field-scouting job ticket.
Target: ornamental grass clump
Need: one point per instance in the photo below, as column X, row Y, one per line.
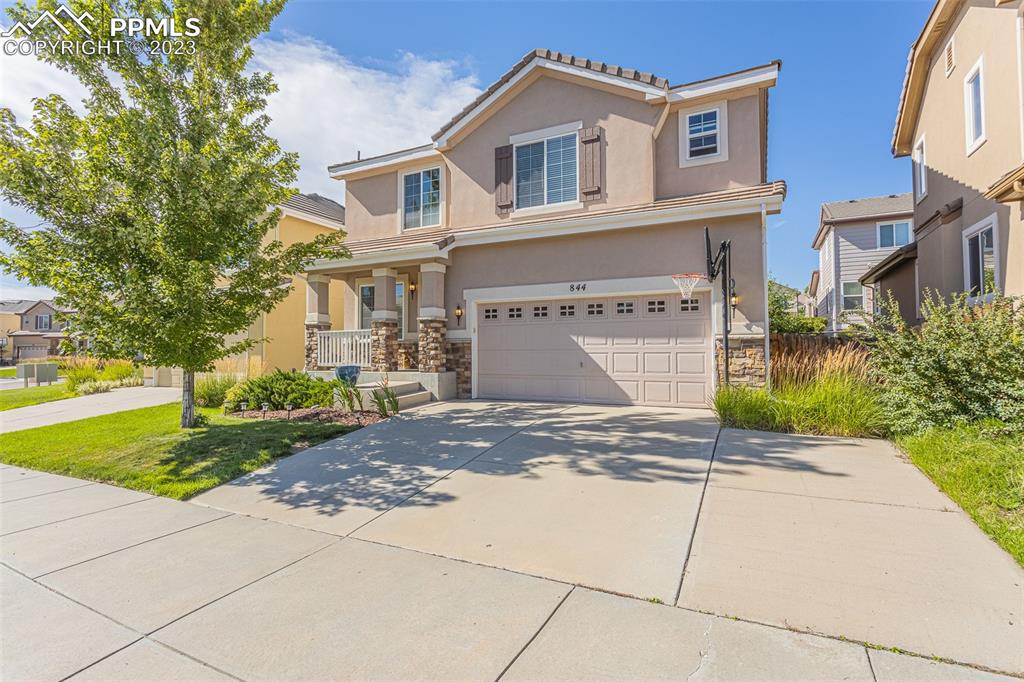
column 828, row 393
column 964, row 364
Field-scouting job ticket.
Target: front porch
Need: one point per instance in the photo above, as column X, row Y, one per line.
column 395, row 323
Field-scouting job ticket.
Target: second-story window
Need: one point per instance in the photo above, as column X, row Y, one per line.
column 546, row 171
column 974, row 107
column 702, row 134
column 42, row 321
column 421, row 198
column 893, row 234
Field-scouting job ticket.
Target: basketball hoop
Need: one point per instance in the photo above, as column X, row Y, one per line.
column 687, row 281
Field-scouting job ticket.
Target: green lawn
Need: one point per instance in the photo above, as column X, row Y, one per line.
column 146, row 450
column 7, row 372
column 983, row 473
column 33, row 395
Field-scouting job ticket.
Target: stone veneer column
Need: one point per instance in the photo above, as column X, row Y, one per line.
column 384, row 327
column 318, row 317
column 746, row 361
column 432, row 319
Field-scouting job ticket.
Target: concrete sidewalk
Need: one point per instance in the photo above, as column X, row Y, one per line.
column 72, row 409
column 260, row 600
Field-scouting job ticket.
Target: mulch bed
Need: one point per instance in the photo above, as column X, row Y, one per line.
column 315, row 414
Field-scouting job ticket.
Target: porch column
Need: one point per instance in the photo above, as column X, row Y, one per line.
column 384, row 326
column 318, row 317
column 432, row 319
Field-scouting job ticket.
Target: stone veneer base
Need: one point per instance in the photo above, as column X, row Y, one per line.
column 746, row 361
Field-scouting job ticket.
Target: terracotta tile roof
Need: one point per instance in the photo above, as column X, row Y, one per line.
column 441, row 235
column 317, row 205
column 599, row 67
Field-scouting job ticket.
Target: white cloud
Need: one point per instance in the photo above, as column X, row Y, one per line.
column 11, row 288
column 25, row 78
column 329, row 107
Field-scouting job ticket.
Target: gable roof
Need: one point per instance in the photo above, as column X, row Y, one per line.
column 653, row 89
column 316, row 205
column 22, row 306
column 916, row 74
column 865, row 208
column 617, row 72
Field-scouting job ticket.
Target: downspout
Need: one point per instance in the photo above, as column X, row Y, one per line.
column 767, row 326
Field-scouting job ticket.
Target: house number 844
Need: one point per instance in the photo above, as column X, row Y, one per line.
column 577, row 287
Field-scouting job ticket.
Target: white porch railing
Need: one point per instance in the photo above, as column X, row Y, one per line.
column 349, row 347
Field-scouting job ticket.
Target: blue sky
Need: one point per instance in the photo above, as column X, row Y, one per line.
column 376, row 76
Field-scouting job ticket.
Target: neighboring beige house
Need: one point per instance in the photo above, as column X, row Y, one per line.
column 527, row 250
column 811, row 297
column 31, row 329
column 303, row 217
column 961, row 120
column 852, row 237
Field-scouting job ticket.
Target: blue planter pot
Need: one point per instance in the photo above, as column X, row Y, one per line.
column 347, row 373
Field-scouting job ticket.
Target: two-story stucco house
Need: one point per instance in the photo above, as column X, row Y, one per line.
column 528, row 248
column 852, row 237
column 961, row 120
column 32, row 328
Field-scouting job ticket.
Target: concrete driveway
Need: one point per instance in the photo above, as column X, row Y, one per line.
column 72, row 409
column 522, row 541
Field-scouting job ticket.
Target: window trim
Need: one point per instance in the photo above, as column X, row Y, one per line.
column 965, row 235
column 402, row 174
column 49, row 322
column 685, row 161
column 920, row 165
column 972, row 145
column 543, row 135
column 843, row 295
column 894, row 223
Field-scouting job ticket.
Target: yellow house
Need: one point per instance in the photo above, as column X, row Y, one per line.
column 303, row 217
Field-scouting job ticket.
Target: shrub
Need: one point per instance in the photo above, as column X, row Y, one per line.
column 280, row 388
column 75, row 376
column 130, row 381
column 962, row 365
column 118, row 370
column 70, row 362
column 212, row 389
column 90, row 387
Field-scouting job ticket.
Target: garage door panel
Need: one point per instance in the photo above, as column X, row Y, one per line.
column 657, row 392
column 657, row 363
column 691, row 392
column 691, row 363
column 643, row 356
column 626, row 363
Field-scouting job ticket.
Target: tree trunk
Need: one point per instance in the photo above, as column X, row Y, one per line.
column 188, row 399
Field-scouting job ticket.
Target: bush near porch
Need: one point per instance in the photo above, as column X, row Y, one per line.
column 950, row 392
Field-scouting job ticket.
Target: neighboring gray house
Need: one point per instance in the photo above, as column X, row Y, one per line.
column 852, row 237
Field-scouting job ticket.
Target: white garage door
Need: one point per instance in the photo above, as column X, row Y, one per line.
column 645, row 350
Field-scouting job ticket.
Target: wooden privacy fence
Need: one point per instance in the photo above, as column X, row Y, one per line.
column 809, row 343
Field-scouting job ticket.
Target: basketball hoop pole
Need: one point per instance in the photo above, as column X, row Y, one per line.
column 721, row 265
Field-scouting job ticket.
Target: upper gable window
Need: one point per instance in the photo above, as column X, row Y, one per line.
column 893, row 234
column 546, row 166
column 703, row 135
column 421, row 198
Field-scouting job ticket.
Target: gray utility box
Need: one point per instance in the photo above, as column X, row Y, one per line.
column 42, row 372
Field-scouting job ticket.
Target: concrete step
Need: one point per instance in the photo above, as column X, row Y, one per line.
column 413, row 399
column 399, row 387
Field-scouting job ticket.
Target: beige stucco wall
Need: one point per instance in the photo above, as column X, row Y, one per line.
column 980, row 30
column 632, row 174
column 634, row 252
column 899, row 282
column 743, row 167
column 283, row 327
